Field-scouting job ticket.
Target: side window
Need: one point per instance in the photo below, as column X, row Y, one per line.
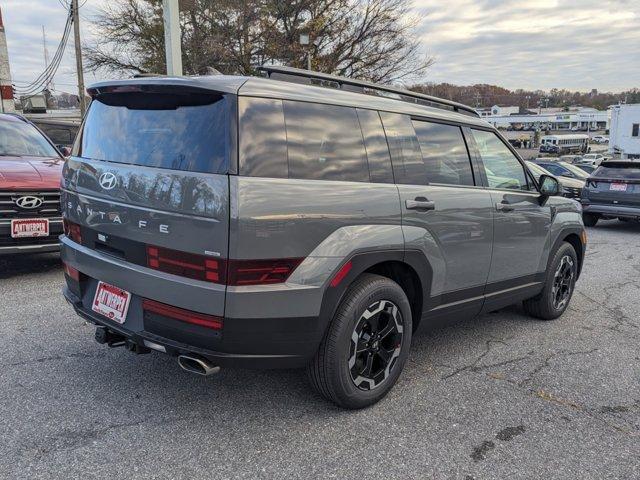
column 375, row 143
column 502, row 168
column 262, row 138
column 408, row 167
column 444, row 153
column 325, row 142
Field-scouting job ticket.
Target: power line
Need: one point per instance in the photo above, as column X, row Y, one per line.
column 49, row 72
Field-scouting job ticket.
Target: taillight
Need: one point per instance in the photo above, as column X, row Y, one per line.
column 191, row 265
column 230, row 272
column 188, row 316
column 260, row 272
column 72, row 230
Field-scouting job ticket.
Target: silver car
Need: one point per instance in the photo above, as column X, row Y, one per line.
column 302, row 220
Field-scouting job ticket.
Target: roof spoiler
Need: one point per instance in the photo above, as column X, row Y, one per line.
column 297, row 75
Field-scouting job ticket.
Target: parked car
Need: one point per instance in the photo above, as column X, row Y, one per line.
column 62, row 133
column 612, row 191
column 587, row 168
column 600, row 139
column 571, row 158
column 562, row 169
column 270, row 222
column 30, row 171
column 592, row 159
column 571, row 187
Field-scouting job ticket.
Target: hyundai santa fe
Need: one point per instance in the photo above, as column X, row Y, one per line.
column 302, row 220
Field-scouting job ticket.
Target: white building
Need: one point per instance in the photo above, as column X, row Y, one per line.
column 578, row 119
column 497, row 110
column 624, row 137
column 6, row 90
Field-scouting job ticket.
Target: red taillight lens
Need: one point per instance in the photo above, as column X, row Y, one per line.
column 195, row 318
column 260, row 272
column 72, row 230
column 71, row 272
column 191, row 265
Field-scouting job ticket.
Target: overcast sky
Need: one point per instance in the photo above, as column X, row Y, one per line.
column 536, row 44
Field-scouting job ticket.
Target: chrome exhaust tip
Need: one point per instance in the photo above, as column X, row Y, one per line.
column 197, row 365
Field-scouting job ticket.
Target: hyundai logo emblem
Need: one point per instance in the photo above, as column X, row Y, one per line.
column 108, row 180
column 28, row 202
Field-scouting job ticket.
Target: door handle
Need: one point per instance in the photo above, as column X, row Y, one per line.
column 420, row 203
column 504, row 207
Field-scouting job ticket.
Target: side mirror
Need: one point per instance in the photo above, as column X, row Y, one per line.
column 65, row 151
column 549, row 186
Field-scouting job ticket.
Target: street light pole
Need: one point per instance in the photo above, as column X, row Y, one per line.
column 78, row 48
column 173, row 49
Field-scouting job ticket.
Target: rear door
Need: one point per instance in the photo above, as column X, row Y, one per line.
column 521, row 225
column 444, row 213
column 148, row 185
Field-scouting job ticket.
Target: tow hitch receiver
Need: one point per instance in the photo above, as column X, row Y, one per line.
column 104, row 335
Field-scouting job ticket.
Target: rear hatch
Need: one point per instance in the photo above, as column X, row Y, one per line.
column 614, row 183
column 147, row 189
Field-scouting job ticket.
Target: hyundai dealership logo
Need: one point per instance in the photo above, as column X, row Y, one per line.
column 28, row 202
column 108, row 180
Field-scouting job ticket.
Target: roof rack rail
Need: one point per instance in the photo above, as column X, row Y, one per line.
column 298, row 75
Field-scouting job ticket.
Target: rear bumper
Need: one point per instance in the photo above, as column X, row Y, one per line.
column 243, row 348
column 611, row 210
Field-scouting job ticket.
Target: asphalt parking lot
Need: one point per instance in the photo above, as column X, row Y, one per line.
column 501, row 396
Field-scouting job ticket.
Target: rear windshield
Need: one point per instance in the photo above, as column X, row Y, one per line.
column 631, row 172
column 187, row 132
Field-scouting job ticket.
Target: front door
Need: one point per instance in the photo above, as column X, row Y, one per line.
column 521, row 223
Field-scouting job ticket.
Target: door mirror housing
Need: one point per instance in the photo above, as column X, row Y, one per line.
column 65, row 151
column 549, row 186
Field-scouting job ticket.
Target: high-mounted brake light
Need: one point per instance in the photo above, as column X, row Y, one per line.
column 72, row 230
column 188, row 316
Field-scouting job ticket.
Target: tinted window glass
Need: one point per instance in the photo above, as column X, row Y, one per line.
column 325, row 142
column 180, row 132
column 628, row 171
column 22, row 139
column 375, row 143
column 555, row 169
column 408, row 167
column 502, row 168
column 262, row 136
column 444, row 153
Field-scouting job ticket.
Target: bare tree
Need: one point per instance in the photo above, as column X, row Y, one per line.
column 368, row 39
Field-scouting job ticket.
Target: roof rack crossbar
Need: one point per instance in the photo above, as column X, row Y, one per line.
column 278, row 72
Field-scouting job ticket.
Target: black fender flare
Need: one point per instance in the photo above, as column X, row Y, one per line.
column 564, row 233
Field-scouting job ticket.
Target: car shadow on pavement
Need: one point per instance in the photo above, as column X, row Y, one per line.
column 15, row 265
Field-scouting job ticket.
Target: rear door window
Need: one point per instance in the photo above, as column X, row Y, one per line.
column 263, row 140
column 406, row 157
column 444, row 153
column 375, row 143
column 502, row 168
column 187, row 132
column 324, row 142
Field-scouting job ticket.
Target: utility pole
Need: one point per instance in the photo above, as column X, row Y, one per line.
column 76, row 40
column 50, row 86
column 173, row 50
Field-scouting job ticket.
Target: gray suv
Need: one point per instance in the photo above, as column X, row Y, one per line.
column 302, row 220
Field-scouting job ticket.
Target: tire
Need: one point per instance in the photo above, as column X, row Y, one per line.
column 338, row 371
column 546, row 305
column 590, row 219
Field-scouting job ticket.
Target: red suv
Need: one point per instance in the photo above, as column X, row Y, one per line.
column 30, row 171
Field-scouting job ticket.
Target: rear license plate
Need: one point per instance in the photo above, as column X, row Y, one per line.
column 29, row 227
column 619, row 187
column 112, row 302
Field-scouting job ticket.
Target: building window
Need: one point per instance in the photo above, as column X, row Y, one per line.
column 634, row 130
